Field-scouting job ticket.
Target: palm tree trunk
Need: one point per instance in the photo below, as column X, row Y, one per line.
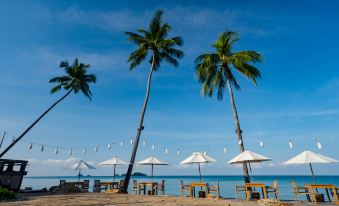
column 238, row 130
column 139, row 129
column 34, row 123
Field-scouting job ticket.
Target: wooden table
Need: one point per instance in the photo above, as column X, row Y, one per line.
column 74, row 184
column 198, row 184
column 109, row 185
column 326, row 187
column 250, row 185
column 144, row 185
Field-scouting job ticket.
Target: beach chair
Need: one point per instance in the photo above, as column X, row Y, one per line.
column 183, row 187
column 238, row 189
column 214, row 190
column 161, row 187
column 62, row 183
column 273, row 189
column 300, row 191
column 85, row 186
column 96, row 187
column 138, row 188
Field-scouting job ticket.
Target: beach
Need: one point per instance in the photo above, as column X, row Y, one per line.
column 123, row 199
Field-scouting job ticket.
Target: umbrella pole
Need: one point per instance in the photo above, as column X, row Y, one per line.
column 79, row 176
column 114, row 172
column 251, row 174
column 152, row 174
column 313, row 177
column 200, row 175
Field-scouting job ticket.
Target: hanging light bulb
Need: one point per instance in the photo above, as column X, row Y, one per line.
column 178, row 152
column 225, row 150
column 30, row 146
column 121, row 144
column 144, row 143
column 70, row 151
column 42, row 148
column 153, row 147
column 166, row 151
column 84, row 151
column 96, row 148
column 290, row 144
column 131, row 141
column 261, row 143
column 240, row 142
column 56, row 151
column 319, row 146
column 109, row 146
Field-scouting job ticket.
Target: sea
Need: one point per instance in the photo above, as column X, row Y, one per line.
column 172, row 183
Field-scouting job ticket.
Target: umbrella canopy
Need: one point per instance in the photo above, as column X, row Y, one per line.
column 153, row 160
column 81, row 165
column 198, row 157
column 113, row 161
column 309, row 157
column 248, row 157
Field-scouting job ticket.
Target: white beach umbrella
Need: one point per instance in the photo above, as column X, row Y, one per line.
column 81, row 165
column 114, row 161
column 309, row 157
column 153, row 160
column 198, row 157
column 248, row 157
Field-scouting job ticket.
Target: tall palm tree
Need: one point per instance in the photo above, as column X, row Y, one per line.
column 152, row 43
column 75, row 80
column 215, row 71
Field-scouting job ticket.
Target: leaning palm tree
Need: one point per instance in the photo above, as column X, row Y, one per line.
column 152, row 43
column 76, row 80
column 215, row 71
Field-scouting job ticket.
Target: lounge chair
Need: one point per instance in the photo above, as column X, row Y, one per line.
column 239, row 188
column 161, row 187
column 121, row 186
column 137, row 188
column 85, row 186
column 62, row 183
column 96, row 187
column 273, row 189
column 300, row 191
column 183, row 187
column 214, row 190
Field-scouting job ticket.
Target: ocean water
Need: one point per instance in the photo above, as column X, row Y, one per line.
column 172, row 183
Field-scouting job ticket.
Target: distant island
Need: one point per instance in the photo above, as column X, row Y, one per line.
column 138, row 174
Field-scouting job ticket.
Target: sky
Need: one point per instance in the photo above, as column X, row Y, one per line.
column 296, row 99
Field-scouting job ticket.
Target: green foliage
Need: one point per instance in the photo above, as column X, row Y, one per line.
column 154, row 40
column 6, row 194
column 76, row 79
column 215, row 70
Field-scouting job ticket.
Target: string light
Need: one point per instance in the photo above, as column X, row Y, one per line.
column 178, row 152
column 30, row 146
column 109, row 146
column 121, row 144
column 84, row 151
column 225, row 150
column 42, row 148
column 261, row 143
column 319, row 146
column 290, row 144
column 131, row 141
column 166, row 151
column 96, row 148
column 144, row 143
column 70, row 151
column 240, row 142
column 56, row 151
column 153, row 147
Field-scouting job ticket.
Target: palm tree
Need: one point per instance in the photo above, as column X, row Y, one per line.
column 215, row 71
column 76, row 80
column 152, row 43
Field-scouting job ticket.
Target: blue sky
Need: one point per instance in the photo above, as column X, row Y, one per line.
column 296, row 99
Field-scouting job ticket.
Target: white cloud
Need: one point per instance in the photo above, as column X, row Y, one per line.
column 59, row 163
